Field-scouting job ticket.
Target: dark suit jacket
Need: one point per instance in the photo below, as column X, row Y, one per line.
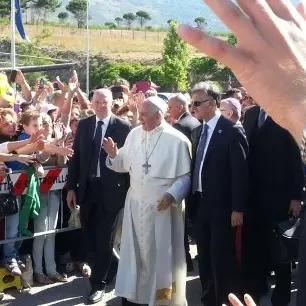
column 114, row 185
column 225, row 183
column 187, row 124
column 275, row 165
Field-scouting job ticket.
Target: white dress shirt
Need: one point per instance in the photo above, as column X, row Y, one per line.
column 104, row 128
column 211, row 127
column 4, row 148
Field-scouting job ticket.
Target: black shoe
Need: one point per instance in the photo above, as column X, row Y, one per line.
column 95, row 296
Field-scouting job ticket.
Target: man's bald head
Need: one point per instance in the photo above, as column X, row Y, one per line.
column 102, row 102
column 231, row 109
column 178, row 105
column 103, row 94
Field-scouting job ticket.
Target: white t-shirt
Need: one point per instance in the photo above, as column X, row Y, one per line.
column 4, row 148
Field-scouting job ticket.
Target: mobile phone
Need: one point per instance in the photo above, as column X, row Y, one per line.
column 41, row 83
column 17, row 108
column 117, row 92
column 143, row 86
column 55, row 86
column 13, row 76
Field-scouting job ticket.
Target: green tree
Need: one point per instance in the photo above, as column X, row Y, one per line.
column 110, row 25
column 5, row 8
column 118, row 20
column 105, row 73
column 63, row 16
column 46, row 7
column 203, row 69
column 26, row 5
column 78, row 9
column 143, row 17
column 176, row 59
column 129, row 18
column 200, row 22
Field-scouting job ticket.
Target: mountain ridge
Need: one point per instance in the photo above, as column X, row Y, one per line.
column 161, row 11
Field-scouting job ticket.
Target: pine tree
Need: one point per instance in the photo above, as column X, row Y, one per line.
column 143, row 17
column 176, row 58
column 78, row 8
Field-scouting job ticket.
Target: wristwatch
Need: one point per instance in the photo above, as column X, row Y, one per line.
column 303, row 146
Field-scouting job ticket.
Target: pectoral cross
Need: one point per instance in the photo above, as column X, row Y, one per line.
column 146, row 166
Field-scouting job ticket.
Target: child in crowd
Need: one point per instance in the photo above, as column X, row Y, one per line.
column 30, row 122
column 44, row 246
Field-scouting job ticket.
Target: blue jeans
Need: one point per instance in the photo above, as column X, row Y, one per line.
column 43, row 246
column 11, row 231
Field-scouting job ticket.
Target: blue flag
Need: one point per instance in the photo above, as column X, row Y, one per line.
column 18, row 20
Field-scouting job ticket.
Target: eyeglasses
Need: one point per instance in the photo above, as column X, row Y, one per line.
column 198, row 103
column 223, row 110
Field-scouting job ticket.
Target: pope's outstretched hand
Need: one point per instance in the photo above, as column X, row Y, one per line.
column 110, row 147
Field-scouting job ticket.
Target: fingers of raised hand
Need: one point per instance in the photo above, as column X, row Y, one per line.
column 234, row 18
column 140, row 97
column 134, row 89
column 249, row 301
column 108, row 144
column 301, row 8
column 110, row 141
column 234, row 300
column 213, row 47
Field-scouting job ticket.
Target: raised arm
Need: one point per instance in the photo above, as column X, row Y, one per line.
column 25, row 87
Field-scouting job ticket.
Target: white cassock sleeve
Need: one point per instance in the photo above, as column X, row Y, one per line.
column 117, row 164
column 180, row 188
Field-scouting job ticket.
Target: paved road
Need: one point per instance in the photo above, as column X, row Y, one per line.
column 74, row 293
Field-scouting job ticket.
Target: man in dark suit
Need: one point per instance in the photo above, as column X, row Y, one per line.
column 178, row 109
column 220, row 191
column 101, row 192
column 276, row 180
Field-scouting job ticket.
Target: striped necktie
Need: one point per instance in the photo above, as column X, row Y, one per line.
column 199, row 158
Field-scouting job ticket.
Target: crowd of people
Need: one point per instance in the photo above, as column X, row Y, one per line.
column 231, row 159
column 244, row 199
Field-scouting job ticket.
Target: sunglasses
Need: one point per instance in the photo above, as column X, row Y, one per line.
column 198, row 103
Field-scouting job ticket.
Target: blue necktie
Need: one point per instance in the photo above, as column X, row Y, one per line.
column 261, row 118
column 96, row 150
column 199, row 158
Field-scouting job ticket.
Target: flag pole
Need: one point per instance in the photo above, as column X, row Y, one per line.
column 13, row 35
column 88, row 48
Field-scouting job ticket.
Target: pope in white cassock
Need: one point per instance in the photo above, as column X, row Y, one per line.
column 152, row 266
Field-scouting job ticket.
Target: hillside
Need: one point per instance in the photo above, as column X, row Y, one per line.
column 161, row 11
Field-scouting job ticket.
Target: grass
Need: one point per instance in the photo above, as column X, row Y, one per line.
column 143, row 46
column 102, row 41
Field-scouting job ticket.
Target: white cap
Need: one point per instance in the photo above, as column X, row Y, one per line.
column 159, row 103
column 47, row 108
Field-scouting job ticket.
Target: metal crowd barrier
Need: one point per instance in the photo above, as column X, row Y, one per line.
column 54, row 178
